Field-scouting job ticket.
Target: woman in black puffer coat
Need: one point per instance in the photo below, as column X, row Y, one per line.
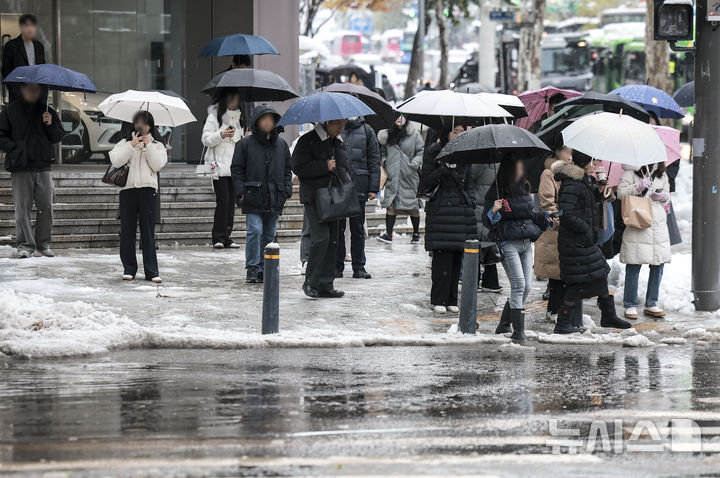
column 582, row 265
column 449, row 222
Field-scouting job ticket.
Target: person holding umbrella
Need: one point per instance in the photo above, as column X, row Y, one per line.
column 220, row 134
column 28, row 131
column 144, row 156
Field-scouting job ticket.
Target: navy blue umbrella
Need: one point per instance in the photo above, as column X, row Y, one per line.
column 324, row 106
column 238, row 44
column 652, row 99
column 685, row 95
column 55, row 77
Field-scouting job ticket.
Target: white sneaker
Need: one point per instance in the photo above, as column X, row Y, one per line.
column 439, row 309
column 631, row 313
column 156, row 280
column 219, row 245
column 233, row 245
column 127, row 277
column 453, row 309
column 23, row 254
column 550, row 317
column 303, row 267
column 47, row 252
column 654, row 311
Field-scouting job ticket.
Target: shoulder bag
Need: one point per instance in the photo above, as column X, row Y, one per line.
column 207, row 170
column 116, row 176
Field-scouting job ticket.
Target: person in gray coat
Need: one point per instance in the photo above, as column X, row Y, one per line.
column 483, row 176
column 401, row 148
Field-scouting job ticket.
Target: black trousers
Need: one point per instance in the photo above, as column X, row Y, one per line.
column 320, row 270
column 489, row 277
column 445, row 276
column 357, row 241
column 557, row 294
column 138, row 203
column 224, row 210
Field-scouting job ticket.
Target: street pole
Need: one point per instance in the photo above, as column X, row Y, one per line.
column 706, row 165
column 421, row 45
column 486, row 46
column 271, row 290
column 468, row 293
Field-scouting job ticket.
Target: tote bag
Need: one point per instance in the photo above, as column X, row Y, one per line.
column 337, row 201
column 637, row 212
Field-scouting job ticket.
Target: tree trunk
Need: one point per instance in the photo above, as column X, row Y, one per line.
column 657, row 58
column 530, row 51
column 416, row 58
column 312, row 9
column 442, row 32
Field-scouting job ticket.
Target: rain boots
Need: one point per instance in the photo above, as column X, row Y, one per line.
column 577, row 319
column 504, row 325
column 517, row 318
column 567, row 320
column 609, row 318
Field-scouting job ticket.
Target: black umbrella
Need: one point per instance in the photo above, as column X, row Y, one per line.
column 252, row 85
column 348, row 69
column 385, row 115
column 491, row 143
column 610, row 103
column 685, row 95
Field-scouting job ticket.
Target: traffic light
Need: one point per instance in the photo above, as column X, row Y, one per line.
column 674, row 20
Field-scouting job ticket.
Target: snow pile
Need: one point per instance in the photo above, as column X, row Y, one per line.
column 626, row 338
column 702, row 335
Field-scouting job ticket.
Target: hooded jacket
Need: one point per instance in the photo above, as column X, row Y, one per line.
column 261, row 168
column 221, row 150
column 652, row 245
column 363, row 156
column 581, row 260
column 402, row 160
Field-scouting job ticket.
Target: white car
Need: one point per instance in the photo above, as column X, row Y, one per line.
column 90, row 133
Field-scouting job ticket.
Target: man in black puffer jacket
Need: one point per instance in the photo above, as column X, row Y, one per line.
column 262, row 180
column 583, row 267
column 364, row 162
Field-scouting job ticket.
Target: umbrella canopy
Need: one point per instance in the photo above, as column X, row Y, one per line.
column 652, row 99
column 348, row 69
column 444, row 108
column 490, row 143
column 536, row 103
column 55, row 77
column 166, row 110
column 324, row 106
column 384, row 115
column 238, row 44
column 510, row 103
column 685, row 95
column 610, row 103
column 252, row 84
column 615, row 138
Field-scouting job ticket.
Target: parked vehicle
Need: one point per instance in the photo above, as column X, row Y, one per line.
column 565, row 62
column 347, row 43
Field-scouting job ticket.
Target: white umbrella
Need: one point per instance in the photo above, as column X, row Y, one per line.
column 431, row 107
column 166, row 110
column 616, row 138
column 511, row 103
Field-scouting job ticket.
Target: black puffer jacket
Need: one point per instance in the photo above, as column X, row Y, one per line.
column 581, row 260
column 450, row 219
column 363, row 156
column 522, row 222
column 261, row 169
column 25, row 139
column 309, row 162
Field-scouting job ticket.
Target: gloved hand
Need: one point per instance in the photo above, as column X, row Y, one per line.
column 662, row 196
column 644, row 184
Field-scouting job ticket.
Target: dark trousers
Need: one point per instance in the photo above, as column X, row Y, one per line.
column 320, row 271
column 489, row 277
column 357, row 241
column 138, row 203
column 445, row 276
column 557, row 294
column 224, row 210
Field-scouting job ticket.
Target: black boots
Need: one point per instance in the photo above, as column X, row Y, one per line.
column 577, row 320
column 517, row 318
column 504, row 325
column 567, row 320
column 609, row 318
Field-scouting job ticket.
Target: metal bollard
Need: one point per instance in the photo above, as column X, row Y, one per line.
column 468, row 294
column 271, row 290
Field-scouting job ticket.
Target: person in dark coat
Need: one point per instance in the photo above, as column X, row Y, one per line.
column 316, row 156
column 449, row 222
column 23, row 50
column 28, row 131
column 262, row 180
column 583, row 267
column 514, row 224
column 364, row 161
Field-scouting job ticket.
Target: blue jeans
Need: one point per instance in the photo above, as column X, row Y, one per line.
column 260, row 232
column 518, row 265
column 632, row 273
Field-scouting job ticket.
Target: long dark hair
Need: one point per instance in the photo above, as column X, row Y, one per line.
column 127, row 129
column 222, row 102
column 395, row 133
column 506, row 180
column 659, row 170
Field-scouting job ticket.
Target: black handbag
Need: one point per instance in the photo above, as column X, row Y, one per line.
column 337, row 201
column 116, row 176
column 491, row 253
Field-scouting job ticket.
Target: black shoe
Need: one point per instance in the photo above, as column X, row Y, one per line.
column 517, row 318
column 331, row 294
column 609, row 318
column 565, row 319
column 310, row 291
column 415, row 239
column 260, row 276
column 546, row 294
column 361, row 274
column 387, row 239
column 252, row 275
column 338, row 273
column 577, row 321
column 504, row 325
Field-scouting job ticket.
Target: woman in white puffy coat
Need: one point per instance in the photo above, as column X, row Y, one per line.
column 223, row 128
column 645, row 246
